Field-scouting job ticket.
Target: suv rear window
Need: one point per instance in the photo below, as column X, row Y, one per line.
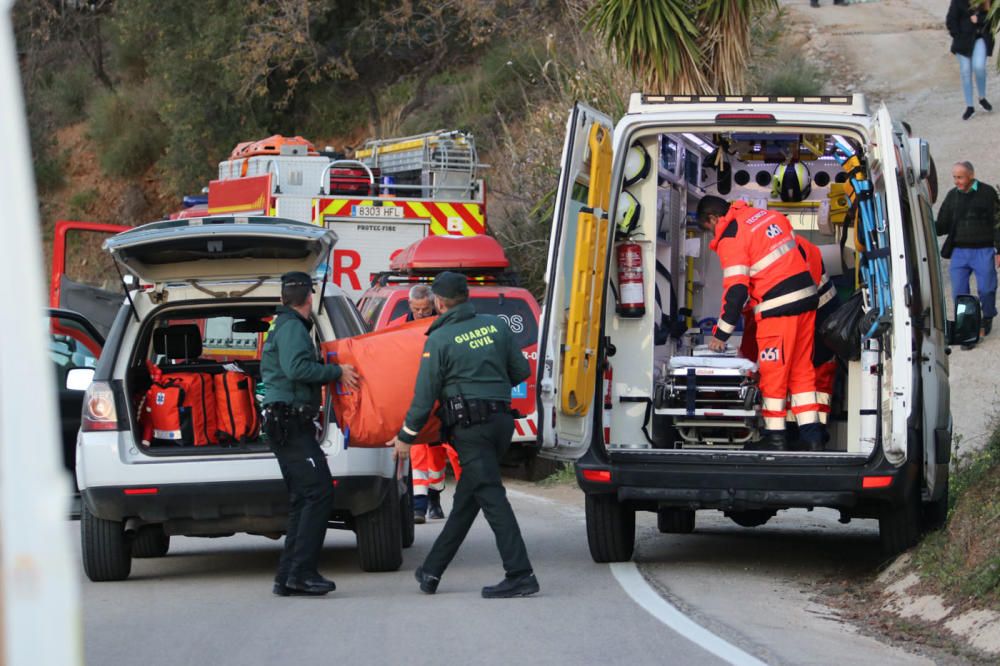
column 515, row 311
column 344, row 317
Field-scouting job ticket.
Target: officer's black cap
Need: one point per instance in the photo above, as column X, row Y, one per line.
column 450, row 285
column 297, row 279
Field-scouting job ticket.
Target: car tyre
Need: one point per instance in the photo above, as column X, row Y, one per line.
column 675, row 521
column 751, row 517
column 150, row 541
column 380, row 535
column 107, row 553
column 610, row 528
column 408, row 530
column 899, row 524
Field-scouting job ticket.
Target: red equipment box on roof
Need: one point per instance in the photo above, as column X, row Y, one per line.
column 440, row 253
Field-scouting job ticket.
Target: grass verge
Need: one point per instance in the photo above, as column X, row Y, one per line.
column 565, row 474
column 962, row 560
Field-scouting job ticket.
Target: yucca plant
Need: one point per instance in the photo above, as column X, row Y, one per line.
column 681, row 46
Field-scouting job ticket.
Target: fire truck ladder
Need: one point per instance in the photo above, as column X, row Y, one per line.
column 438, row 165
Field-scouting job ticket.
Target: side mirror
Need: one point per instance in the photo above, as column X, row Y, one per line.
column 968, row 320
column 920, row 156
column 79, row 379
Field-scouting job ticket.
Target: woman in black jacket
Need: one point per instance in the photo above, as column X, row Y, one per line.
column 972, row 44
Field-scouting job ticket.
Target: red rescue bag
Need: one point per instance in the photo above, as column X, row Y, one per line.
column 179, row 409
column 235, row 409
column 388, row 362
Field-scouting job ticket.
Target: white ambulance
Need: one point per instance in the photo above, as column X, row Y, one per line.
column 627, row 387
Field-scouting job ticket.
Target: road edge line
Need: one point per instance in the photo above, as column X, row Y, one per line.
column 641, row 592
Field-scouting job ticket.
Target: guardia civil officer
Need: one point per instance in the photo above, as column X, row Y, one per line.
column 470, row 363
column 293, row 375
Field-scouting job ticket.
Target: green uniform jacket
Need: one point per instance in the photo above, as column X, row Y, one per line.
column 974, row 214
column 465, row 354
column 288, row 366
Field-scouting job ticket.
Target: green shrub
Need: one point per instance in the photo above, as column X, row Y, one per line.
column 49, row 172
column 81, row 202
column 49, row 168
column 128, row 132
column 68, row 93
column 800, row 80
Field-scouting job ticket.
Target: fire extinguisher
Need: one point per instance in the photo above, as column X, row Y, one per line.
column 631, row 296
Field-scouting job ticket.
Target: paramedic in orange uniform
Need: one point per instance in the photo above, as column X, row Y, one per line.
column 427, row 461
column 761, row 263
column 824, row 360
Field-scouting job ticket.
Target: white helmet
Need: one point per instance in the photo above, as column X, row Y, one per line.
column 637, row 164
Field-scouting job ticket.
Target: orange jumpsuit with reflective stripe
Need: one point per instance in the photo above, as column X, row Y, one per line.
column 823, row 358
column 428, row 464
column 761, row 264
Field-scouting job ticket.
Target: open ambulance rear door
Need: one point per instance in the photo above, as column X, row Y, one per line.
column 83, row 278
column 897, row 390
column 569, row 337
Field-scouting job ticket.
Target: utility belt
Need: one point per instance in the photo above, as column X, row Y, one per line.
column 459, row 411
column 279, row 418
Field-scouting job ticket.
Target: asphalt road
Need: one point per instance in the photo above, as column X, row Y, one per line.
column 209, row 600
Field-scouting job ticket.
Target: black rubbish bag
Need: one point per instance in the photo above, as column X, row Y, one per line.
column 841, row 331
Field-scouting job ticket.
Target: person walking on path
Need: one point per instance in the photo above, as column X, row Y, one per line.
column 470, row 362
column 968, row 217
column 972, row 43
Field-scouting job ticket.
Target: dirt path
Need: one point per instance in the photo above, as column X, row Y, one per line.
column 897, row 51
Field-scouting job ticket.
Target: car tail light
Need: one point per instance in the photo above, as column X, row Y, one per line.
column 876, row 482
column 599, row 475
column 99, row 411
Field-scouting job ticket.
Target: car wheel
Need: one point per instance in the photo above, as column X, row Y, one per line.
column 380, row 535
column 899, row 524
column 750, row 517
column 675, row 521
column 406, row 514
column 610, row 528
column 107, row 554
column 150, row 541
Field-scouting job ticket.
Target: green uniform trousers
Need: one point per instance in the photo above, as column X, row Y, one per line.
column 480, row 448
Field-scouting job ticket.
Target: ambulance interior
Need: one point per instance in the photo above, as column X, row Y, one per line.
column 702, row 401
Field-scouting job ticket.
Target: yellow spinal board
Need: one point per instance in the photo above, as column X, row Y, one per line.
column 583, row 328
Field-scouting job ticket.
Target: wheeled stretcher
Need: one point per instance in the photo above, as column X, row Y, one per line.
column 713, row 400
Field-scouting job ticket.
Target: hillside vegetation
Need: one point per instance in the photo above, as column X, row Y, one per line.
column 132, row 103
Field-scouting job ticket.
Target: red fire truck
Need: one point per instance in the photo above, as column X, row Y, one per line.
column 395, row 192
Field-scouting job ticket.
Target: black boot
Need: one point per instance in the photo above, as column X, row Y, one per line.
column 312, row 586
column 773, row 440
column 428, row 583
column 419, row 509
column 520, row 586
column 434, row 510
column 987, row 325
column 812, row 437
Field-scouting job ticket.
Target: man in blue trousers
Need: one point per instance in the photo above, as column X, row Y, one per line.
column 968, row 216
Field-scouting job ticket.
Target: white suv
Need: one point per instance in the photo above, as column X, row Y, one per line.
column 207, row 288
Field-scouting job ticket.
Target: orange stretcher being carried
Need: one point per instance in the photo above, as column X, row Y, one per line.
column 388, row 362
